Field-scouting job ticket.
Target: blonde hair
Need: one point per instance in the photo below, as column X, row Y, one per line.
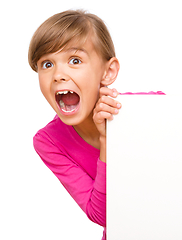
column 60, row 29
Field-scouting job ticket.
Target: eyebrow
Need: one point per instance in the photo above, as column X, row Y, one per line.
column 75, row 49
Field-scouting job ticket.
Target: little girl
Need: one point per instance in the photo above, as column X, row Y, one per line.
column 74, row 56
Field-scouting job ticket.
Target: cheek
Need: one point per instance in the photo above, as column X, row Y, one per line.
column 91, row 77
column 43, row 86
column 91, row 85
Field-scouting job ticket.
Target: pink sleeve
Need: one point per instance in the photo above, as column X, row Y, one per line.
column 89, row 194
column 96, row 208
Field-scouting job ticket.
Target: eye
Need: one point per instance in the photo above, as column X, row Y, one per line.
column 75, row 61
column 47, row 64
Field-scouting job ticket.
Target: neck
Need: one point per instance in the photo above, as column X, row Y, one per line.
column 88, row 131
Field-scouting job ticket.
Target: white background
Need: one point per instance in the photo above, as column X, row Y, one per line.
column 147, row 37
column 144, row 180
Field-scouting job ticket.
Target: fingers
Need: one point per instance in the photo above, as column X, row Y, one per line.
column 106, row 106
column 108, row 92
column 106, row 103
column 100, row 116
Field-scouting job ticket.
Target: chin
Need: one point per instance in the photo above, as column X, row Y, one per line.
column 70, row 119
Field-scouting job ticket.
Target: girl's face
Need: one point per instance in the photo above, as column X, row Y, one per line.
column 70, row 80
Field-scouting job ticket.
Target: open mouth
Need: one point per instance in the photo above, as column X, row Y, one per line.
column 68, row 101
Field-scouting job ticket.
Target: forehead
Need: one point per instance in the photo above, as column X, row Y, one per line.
column 85, row 47
column 74, row 47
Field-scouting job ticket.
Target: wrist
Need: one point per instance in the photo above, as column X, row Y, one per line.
column 103, row 148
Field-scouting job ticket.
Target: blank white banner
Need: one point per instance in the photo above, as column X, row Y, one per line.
column 144, row 169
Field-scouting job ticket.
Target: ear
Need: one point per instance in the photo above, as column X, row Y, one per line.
column 111, row 73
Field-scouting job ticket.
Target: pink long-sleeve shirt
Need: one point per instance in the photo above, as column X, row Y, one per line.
column 77, row 165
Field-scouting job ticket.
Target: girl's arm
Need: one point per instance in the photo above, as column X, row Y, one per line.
column 89, row 193
column 105, row 108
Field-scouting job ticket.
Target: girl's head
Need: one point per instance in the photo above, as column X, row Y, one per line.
column 74, row 55
column 63, row 28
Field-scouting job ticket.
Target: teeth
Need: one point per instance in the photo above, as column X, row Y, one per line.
column 61, row 103
column 63, row 92
column 68, row 111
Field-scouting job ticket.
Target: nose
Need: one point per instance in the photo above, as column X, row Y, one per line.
column 60, row 75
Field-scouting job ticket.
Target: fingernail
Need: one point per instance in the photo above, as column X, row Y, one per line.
column 118, row 105
column 114, row 94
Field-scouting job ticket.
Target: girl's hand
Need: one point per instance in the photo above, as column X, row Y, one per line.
column 105, row 108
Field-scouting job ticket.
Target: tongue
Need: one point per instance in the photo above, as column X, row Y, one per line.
column 70, row 99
